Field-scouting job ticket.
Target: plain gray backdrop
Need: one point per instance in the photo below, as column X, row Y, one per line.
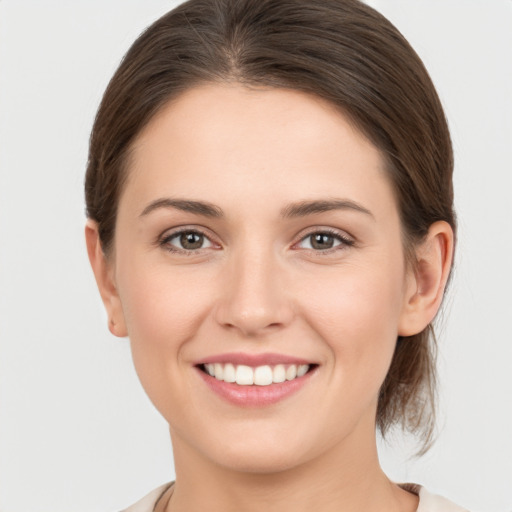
column 76, row 431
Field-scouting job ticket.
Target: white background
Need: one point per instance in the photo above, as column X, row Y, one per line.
column 76, row 431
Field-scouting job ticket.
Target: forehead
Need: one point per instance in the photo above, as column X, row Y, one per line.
column 233, row 140
column 206, row 114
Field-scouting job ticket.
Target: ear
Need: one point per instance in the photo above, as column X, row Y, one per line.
column 427, row 280
column 104, row 274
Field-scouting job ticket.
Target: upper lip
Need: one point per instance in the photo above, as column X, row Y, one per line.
column 253, row 360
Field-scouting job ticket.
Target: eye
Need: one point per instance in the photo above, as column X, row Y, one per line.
column 186, row 241
column 324, row 240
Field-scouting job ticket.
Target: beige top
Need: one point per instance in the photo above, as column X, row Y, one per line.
column 428, row 502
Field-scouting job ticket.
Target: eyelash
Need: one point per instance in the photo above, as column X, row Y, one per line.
column 345, row 242
column 166, row 239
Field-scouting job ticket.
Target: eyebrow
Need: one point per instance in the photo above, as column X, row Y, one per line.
column 198, row 207
column 293, row 210
column 304, row 208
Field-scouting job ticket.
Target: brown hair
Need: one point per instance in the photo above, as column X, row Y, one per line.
column 340, row 50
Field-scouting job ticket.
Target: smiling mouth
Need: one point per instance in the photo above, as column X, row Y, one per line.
column 264, row 375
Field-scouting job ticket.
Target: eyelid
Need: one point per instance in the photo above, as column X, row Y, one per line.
column 343, row 237
column 164, row 238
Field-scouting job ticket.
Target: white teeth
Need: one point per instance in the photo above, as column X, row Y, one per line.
column 260, row 376
column 244, row 375
column 229, row 373
column 301, row 370
column 291, row 372
column 279, row 374
column 263, row 376
column 219, row 371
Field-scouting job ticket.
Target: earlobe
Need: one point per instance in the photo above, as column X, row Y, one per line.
column 428, row 279
column 104, row 274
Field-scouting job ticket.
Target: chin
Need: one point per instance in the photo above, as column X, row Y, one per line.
column 257, row 453
column 261, row 461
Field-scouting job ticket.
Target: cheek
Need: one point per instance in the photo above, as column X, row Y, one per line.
column 163, row 308
column 160, row 300
column 356, row 311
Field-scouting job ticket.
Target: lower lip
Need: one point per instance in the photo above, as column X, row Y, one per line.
column 255, row 396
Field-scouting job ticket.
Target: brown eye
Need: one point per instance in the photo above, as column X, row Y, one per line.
column 186, row 241
column 191, row 241
column 325, row 240
column 321, row 241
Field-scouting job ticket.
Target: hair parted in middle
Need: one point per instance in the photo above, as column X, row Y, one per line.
column 342, row 51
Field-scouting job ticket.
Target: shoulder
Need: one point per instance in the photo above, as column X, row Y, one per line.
column 428, row 502
column 433, row 503
column 147, row 504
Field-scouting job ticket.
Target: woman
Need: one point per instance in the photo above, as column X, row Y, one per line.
column 271, row 223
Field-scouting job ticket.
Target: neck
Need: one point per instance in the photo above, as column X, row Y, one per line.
column 346, row 478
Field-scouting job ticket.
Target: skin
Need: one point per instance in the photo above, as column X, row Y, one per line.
column 257, row 285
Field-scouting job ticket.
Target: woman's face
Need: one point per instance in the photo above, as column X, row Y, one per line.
column 258, row 236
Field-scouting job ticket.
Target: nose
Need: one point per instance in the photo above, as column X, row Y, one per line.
column 254, row 299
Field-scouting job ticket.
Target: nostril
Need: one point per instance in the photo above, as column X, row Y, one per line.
column 253, row 308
